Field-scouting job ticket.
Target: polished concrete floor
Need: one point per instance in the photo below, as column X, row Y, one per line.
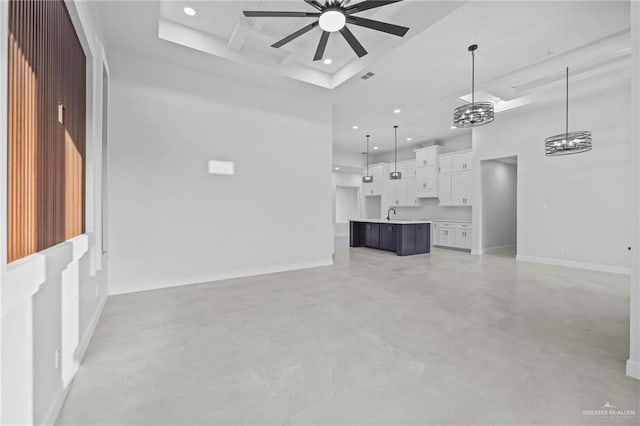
column 445, row 338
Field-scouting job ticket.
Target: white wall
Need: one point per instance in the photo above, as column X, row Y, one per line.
column 575, row 209
column 633, row 363
column 171, row 222
column 52, row 300
column 499, row 183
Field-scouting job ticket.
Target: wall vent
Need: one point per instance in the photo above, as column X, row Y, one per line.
column 367, row 76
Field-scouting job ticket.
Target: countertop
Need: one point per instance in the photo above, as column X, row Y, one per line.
column 393, row 221
column 452, row 220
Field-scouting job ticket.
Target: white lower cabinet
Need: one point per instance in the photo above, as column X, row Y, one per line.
column 453, row 234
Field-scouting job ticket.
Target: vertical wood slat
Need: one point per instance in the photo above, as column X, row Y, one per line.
column 46, row 159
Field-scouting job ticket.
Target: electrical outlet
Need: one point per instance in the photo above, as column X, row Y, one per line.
column 560, row 251
column 56, row 357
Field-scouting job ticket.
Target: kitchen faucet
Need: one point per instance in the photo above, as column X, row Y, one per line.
column 389, row 212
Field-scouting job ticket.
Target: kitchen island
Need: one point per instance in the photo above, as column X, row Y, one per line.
column 404, row 237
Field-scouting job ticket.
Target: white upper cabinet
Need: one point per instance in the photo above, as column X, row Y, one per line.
column 410, row 169
column 426, row 182
column 380, row 173
column 445, row 164
column 427, row 160
column 455, row 179
column 397, row 192
column 427, row 156
column 444, row 190
column 461, row 162
column 461, row 189
column 411, row 198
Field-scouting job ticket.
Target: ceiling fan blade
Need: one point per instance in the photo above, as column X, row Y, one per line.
column 353, row 42
column 315, row 4
column 369, row 4
column 378, row 26
column 274, row 14
column 295, row 35
column 324, row 38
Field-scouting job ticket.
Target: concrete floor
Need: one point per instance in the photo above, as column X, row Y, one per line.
column 445, row 338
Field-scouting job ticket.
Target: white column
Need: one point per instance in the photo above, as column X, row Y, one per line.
column 633, row 364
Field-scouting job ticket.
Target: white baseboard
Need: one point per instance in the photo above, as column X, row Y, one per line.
column 572, row 264
column 227, row 276
column 91, row 327
column 477, row 252
column 633, row 369
column 56, row 406
column 498, row 248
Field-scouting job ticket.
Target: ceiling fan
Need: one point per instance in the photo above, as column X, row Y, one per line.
column 333, row 16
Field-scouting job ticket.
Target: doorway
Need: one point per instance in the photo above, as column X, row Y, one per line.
column 500, row 206
column 346, row 208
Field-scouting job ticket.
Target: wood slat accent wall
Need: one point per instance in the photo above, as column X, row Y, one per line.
column 46, row 159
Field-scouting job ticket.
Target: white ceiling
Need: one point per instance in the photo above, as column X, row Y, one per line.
column 523, row 50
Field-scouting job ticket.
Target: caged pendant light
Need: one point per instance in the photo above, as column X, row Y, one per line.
column 475, row 113
column 367, row 178
column 568, row 142
column 395, row 174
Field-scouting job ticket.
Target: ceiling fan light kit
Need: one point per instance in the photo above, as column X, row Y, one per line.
column 333, row 16
column 476, row 113
column 568, row 142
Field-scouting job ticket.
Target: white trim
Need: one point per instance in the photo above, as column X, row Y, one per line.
column 633, row 369
column 573, row 264
column 477, row 252
column 54, row 409
column 91, row 327
column 488, row 250
column 132, row 288
column 4, row 88
column 24, row 277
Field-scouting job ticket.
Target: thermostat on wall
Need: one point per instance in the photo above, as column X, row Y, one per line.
column 221, row 167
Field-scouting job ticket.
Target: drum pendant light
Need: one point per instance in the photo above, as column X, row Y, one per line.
column 367, row 178
column 476, row 113
column 567, row 142
column 395, row 174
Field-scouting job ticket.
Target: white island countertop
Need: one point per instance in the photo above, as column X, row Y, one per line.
column 393, row 221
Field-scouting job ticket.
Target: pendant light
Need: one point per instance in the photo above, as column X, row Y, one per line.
column 367, row 178
column 475, row 113
column 568, row 142
column 395, row 174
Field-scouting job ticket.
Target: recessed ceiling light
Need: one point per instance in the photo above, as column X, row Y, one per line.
column 337, row 168
column 453, row 127
column 328, row 61
column 189, row 11
column 397, row 111
column 409, row 139
column 375, row 147
column 355, row 127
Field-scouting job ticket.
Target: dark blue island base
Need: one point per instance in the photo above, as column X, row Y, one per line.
column 403, row 238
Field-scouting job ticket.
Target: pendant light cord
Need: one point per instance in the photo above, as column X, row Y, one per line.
column 473, row 78
column 368, row 155
column 566, row 128
column 395, row 160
